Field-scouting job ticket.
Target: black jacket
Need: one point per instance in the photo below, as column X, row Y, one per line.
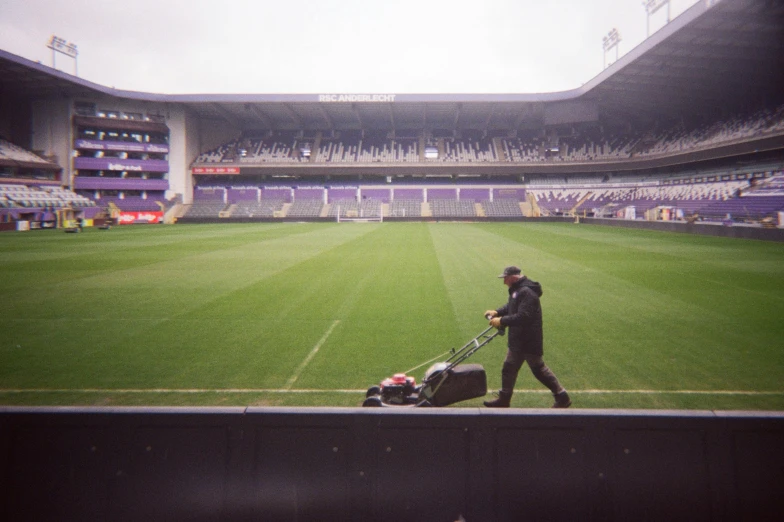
column 522, row 315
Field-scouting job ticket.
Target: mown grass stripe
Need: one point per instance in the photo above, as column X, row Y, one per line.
column 295, row 390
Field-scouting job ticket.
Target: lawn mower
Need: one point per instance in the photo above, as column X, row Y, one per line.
column 444, row 383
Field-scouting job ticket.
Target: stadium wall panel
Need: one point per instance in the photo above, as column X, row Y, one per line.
column 388, row 464
column 734, row 231
column 51, row 131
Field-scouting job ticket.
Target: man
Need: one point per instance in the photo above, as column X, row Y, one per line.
column 522, row 315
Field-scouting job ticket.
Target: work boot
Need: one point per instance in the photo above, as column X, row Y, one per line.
column 503, row 400
column 562, row 400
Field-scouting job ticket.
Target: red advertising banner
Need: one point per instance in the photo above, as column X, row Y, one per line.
column 144, row 216
column 215, row 170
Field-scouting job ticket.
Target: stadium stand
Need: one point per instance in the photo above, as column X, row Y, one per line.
column 265, row 208
column 772, row 186
column 334, row 151
column 136, row 204
column 352, row 208
column 469, row 150
column 598, row 195
column 517, row 150
column 587, row 197
column 370, row 207
column 303, row 208
column 502, row 208
column 555, row 201
column 39, row 205
column 583, row 144
column 405, row 208
column 452, row 208
column 279, row 148
column 744, row 209
column 206, row 208
column 346, row 207
column 24, row 196
column 688, row 197
column 14, row 153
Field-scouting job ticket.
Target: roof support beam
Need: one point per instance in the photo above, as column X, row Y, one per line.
column 260, row 115
column 489, row 118
column 326, row 116
column 293, row 115
column 227, row 115
column 355, row 111
column 391, row 117
column 527, row 112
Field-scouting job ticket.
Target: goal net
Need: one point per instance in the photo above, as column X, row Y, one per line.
column 359, row 216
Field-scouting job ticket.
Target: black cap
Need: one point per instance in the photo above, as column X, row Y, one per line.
column 510, row 271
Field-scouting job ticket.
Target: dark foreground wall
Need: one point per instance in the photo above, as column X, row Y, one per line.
column 361, row 464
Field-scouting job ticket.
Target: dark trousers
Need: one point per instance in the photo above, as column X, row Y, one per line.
column 514, row 361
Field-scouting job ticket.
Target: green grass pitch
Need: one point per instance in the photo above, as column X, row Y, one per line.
column 313, row 314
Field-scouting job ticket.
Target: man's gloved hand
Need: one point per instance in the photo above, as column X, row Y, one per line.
column 490, row 314
column 495, row 322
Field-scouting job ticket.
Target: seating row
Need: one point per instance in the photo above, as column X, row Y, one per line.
column 582, row 145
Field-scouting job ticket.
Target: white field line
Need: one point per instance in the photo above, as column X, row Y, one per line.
column 310, row 356
column 305, row 391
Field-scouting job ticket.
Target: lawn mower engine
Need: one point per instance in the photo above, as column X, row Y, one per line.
column 399, row 390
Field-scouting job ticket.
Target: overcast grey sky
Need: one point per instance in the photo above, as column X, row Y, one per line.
column 329, row 46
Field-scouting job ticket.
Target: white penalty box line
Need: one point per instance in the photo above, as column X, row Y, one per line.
column 311, row 355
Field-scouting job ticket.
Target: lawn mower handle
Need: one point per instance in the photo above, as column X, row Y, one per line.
column 501, row 331
column 468, row 349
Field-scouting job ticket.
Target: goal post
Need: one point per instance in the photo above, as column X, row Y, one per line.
column 359, row 216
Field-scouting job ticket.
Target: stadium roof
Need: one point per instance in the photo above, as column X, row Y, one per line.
column 717, row 57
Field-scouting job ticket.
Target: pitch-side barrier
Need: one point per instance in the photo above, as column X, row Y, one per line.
column 388, row 464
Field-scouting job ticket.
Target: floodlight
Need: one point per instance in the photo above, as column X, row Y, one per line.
column 60, row 45
column 651, row 6
column 612, row 39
